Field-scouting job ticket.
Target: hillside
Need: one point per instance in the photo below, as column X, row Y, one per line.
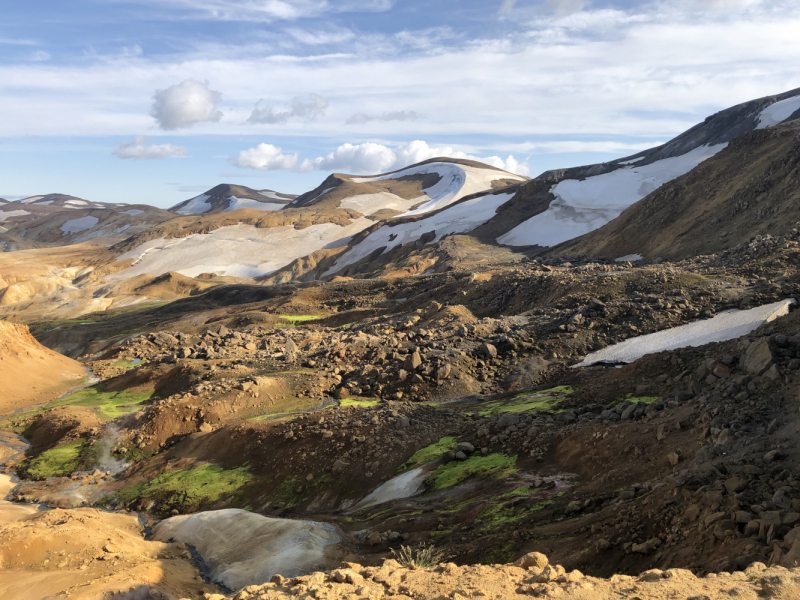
column 226, row 197
column 751, row 188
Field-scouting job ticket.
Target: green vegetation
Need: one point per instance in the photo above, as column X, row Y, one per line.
column 498, row 515
column 57, row 462
column 429, row 453
column 424, row 557
column 294, row 320
column 520, row 491
column 109, row 405
column 543, row 401
column 187, row 489
column 496, row 465
column 363, row 402
column 634, row 399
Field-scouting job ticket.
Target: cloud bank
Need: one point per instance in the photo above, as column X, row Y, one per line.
column 365, row 158
column 137, row 150
column 185, row 104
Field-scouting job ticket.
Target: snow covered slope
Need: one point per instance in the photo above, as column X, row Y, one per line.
column 461, row 217
column 584, row 199
column 583, row 205
column 236, row 250
column 421, row 188
column 226, row 198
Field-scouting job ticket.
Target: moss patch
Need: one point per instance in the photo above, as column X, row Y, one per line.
column 543, row 401
column 57, row 462
column 496, row 465
column 187, row 489
column 359, row 401
column 634, row 399
column 429, row 453
column 109, row 405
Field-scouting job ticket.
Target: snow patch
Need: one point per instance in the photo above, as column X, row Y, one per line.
column 778, row 112
column 629, row 258
column 132, row 212
column 196, row 206
column 119, row 230
column 634, row 160
column 584, row 205
column 461, row 217
column 727, row 325
column 77, row 225
column 367, row 204
column 243, row 548
column 77, row 202
column 31, row 200
column 237, row 203
column 236, row 250
column 406, row 485
column 7, row 214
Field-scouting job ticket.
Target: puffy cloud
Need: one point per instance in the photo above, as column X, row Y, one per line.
column 137, row 150
column 266, row 115
column 184, row 104
column 266, row 157
column 369, row 157
column 400, row 115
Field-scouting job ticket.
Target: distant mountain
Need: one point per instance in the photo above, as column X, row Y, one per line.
column 63, row 201
column 424, row 187
column 226, row 197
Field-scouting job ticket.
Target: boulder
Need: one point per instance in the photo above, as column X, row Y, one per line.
column 758, row 357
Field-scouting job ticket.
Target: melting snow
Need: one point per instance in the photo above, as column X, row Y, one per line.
column 237, row 203
column 728, row 325
column 31, row 200
column 237, row 250
column 271, row 194
column 133, row 212
column 584, row 205
column 367, row 204
column 406, row 485
column 778, row 112
column 242, row 548
column 196, row 206
column 78, row 225
column 629, row 258
column 461, row 217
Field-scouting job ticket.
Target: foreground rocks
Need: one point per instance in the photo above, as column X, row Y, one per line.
column 523, row 579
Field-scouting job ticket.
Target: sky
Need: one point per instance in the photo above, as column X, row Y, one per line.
column 155, row 101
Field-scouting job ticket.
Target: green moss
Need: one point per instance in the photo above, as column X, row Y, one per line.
column 498, row 515
column 520, row 491
column 496, row 465
column 635, row 399
column 363, row 402
column 294, row 320
column 189, row 488
column 109, row 405
column 429, row 453
column 57, row 462
column 536, row 402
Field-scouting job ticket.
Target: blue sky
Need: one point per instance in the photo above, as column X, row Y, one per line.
column 156, row 100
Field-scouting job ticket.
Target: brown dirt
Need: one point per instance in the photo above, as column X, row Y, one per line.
column 29, row 372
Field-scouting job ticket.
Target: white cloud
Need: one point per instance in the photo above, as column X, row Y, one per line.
column 304, row 110
column 369, row 157
column 185, row 104
column 398, row 115
column 318, row 38
column 266, row 157
column 137, row 150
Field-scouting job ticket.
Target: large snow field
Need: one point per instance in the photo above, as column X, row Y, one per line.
column 77, row 225
column 727, row 325
column 237, row 203
column 196, row 205
column 584, row 205
column 270, row 194
column 457, row 181
column 459, row 218
column 243, row 548
column 237, row 250
column 368, row 204
column 7, row 214
column 778, row 112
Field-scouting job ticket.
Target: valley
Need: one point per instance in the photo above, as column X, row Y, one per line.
column 444, row 381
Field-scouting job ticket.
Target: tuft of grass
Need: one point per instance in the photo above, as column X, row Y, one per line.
column 424, row 557
column 187, row 489
column 56, row 462
column 496, row 465
column 363, row 402
column 429, row 453
column 542, row 401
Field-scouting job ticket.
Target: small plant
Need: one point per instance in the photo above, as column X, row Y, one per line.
column 423, row 557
